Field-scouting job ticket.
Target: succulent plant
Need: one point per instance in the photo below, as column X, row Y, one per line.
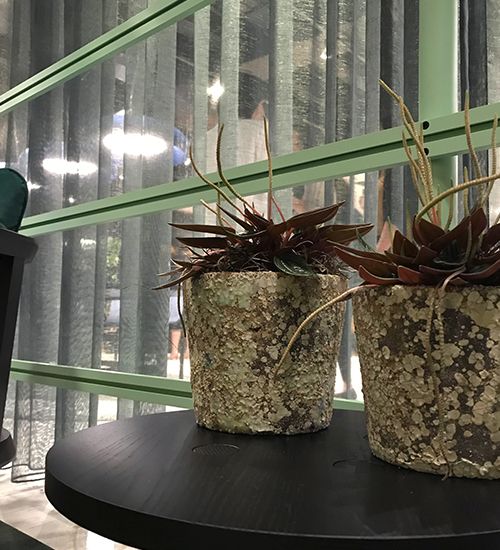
column 469, row 254
column 432, row 253
column 244, row 239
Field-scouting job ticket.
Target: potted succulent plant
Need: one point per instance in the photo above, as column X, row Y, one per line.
column 244, row 293
column 427, row 322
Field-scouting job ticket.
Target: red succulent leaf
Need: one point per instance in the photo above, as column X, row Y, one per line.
column 460, row 234
column 488, row 258
column 458, row 281
column 409, row 276
column 375, row 267
column 204, row 242
column 345, row 233
column 399, row 260
column 425, row 255
column 483, row 274
column 491, row 238
column 182, row 263
column 253, row 234
column 375, row 279
column 308, row 219
column 426, row 232
column 215, row 229
column 479, row 222
column 187, row 275
column 403, row 246
column 438, row 274
column 258, row 221
column 362, row 253
column 171, row 272
column 239, row 221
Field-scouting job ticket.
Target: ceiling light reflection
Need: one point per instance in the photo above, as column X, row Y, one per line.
column 215, row 91
column 135, row 144
column 60, row 167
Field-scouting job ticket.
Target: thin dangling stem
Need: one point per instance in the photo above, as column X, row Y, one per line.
column 220, row 192
column 269, row 171
column 456, row 189
column 223, row 178
column 468, row 138
column 340, row 298
column 217, row 213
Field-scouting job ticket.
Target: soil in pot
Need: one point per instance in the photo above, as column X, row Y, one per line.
column 238, row 326
column 432, row 386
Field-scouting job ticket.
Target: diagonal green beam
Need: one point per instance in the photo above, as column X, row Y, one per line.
column 349, row 156
column 368, row 153
column 139, row 387
column 151, row 20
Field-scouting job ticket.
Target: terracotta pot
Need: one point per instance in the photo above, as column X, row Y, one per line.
column 238, row 327
column 437, row 414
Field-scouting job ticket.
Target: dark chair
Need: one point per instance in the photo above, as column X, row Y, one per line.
column 15, row 250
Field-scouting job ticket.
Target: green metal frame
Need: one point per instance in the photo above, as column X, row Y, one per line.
column 368, row 153
column 137, row 387
column 438, row 73
column 146, row 23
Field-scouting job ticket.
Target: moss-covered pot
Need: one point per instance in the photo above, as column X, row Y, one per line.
column 238, row 327
column 437, row 414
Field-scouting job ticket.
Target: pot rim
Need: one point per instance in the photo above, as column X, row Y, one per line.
column 385, row 288
column 257, row 274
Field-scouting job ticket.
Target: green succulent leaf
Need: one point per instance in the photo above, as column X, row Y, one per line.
column 292, row 264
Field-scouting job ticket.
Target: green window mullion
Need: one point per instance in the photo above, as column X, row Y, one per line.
column 150, row 21
column 438, row 75
column 367, row 153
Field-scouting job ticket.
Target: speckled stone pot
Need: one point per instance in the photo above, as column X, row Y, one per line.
column 238, row 327
column 443, row 423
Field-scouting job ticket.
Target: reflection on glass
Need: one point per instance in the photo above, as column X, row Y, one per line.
column 312, row 67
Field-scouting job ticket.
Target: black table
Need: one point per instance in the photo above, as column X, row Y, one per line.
column 12, row 539
column 161, row 482
column 7, row 448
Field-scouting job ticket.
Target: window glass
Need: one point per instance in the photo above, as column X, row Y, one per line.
column 88, row 298
column 311, row 66
column 37, row 33
column 36, row 415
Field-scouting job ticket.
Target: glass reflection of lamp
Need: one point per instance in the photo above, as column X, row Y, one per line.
column 122, row 142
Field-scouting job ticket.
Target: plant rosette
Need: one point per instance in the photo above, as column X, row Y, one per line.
column 247, row 287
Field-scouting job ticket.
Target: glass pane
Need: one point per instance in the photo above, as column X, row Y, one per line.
column 35, row 34
column 311, row 66
column 36, row 415
column 88, row 297
column 479, row 62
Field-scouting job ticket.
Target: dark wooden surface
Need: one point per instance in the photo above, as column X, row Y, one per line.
column 162, row 482
column 14, row 244
column 12, row 539
column 7, row 448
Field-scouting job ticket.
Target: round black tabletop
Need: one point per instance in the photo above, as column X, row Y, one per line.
column 161, row 482
column 7, row 447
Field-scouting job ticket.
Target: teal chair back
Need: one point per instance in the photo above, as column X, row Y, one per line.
column 13, row 199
